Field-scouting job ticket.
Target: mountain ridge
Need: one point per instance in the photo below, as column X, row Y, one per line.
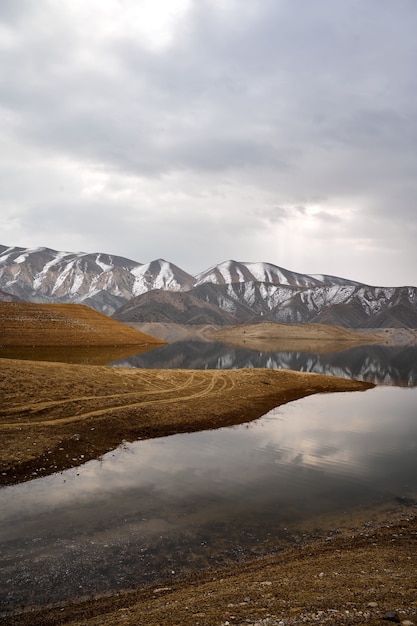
column 232, row 291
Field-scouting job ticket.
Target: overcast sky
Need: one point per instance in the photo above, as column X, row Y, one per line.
column 197, row 131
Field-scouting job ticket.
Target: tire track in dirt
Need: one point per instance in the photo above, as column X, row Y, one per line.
column 83, row 411
column 217, row 383
column 37, row 407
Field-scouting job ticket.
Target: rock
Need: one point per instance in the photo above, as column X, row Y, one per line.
column 392, row 616
column 406, row 501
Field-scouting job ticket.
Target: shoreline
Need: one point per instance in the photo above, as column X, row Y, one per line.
column 354, row 574
column 360, row 575
column 54, row 416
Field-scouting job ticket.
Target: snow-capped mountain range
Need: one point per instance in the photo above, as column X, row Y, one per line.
column 242, row 291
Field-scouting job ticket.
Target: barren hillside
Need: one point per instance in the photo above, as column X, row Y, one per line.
column 269, row 336
column 24, row 323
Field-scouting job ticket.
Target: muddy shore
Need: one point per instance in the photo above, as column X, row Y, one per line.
column 363, row 576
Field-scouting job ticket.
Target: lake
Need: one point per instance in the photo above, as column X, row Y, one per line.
column 378, row 364
column 157, row 509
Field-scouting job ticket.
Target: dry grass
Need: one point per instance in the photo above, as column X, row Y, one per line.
column 29, row 324
column 53, row 413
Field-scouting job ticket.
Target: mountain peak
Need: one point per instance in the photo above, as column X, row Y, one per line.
column 243, row 290
column 161, row 274
column 230, row 272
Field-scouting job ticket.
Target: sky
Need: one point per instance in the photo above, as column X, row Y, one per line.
column 282, row 131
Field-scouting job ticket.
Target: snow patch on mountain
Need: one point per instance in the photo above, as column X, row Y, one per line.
column 244, row 289
column 229, row 272
column 160, row 274
column 106, row 267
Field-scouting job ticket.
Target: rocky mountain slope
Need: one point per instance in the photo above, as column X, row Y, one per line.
column 228, row 293
column 102, row 281
column 173, row 307
column 230, row 272
column 8, row 297
column 349, row 305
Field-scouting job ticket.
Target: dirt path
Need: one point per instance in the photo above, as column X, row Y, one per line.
column 54, row 415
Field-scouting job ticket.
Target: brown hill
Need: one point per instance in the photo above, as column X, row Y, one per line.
column 173, row 307
column 270, row 336
column 29, row 324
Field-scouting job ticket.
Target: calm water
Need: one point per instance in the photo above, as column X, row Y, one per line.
column 378, row 364
column 160, row 508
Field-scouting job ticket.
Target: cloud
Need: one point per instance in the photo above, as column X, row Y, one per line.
column 184, row 115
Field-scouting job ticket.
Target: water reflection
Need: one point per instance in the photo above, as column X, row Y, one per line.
column 378, row 364
column 156, row 508
column 86, row 355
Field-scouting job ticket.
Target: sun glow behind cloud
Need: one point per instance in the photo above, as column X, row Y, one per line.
column 152, row 22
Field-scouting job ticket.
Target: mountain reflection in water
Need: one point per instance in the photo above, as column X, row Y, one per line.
column 378, row 364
